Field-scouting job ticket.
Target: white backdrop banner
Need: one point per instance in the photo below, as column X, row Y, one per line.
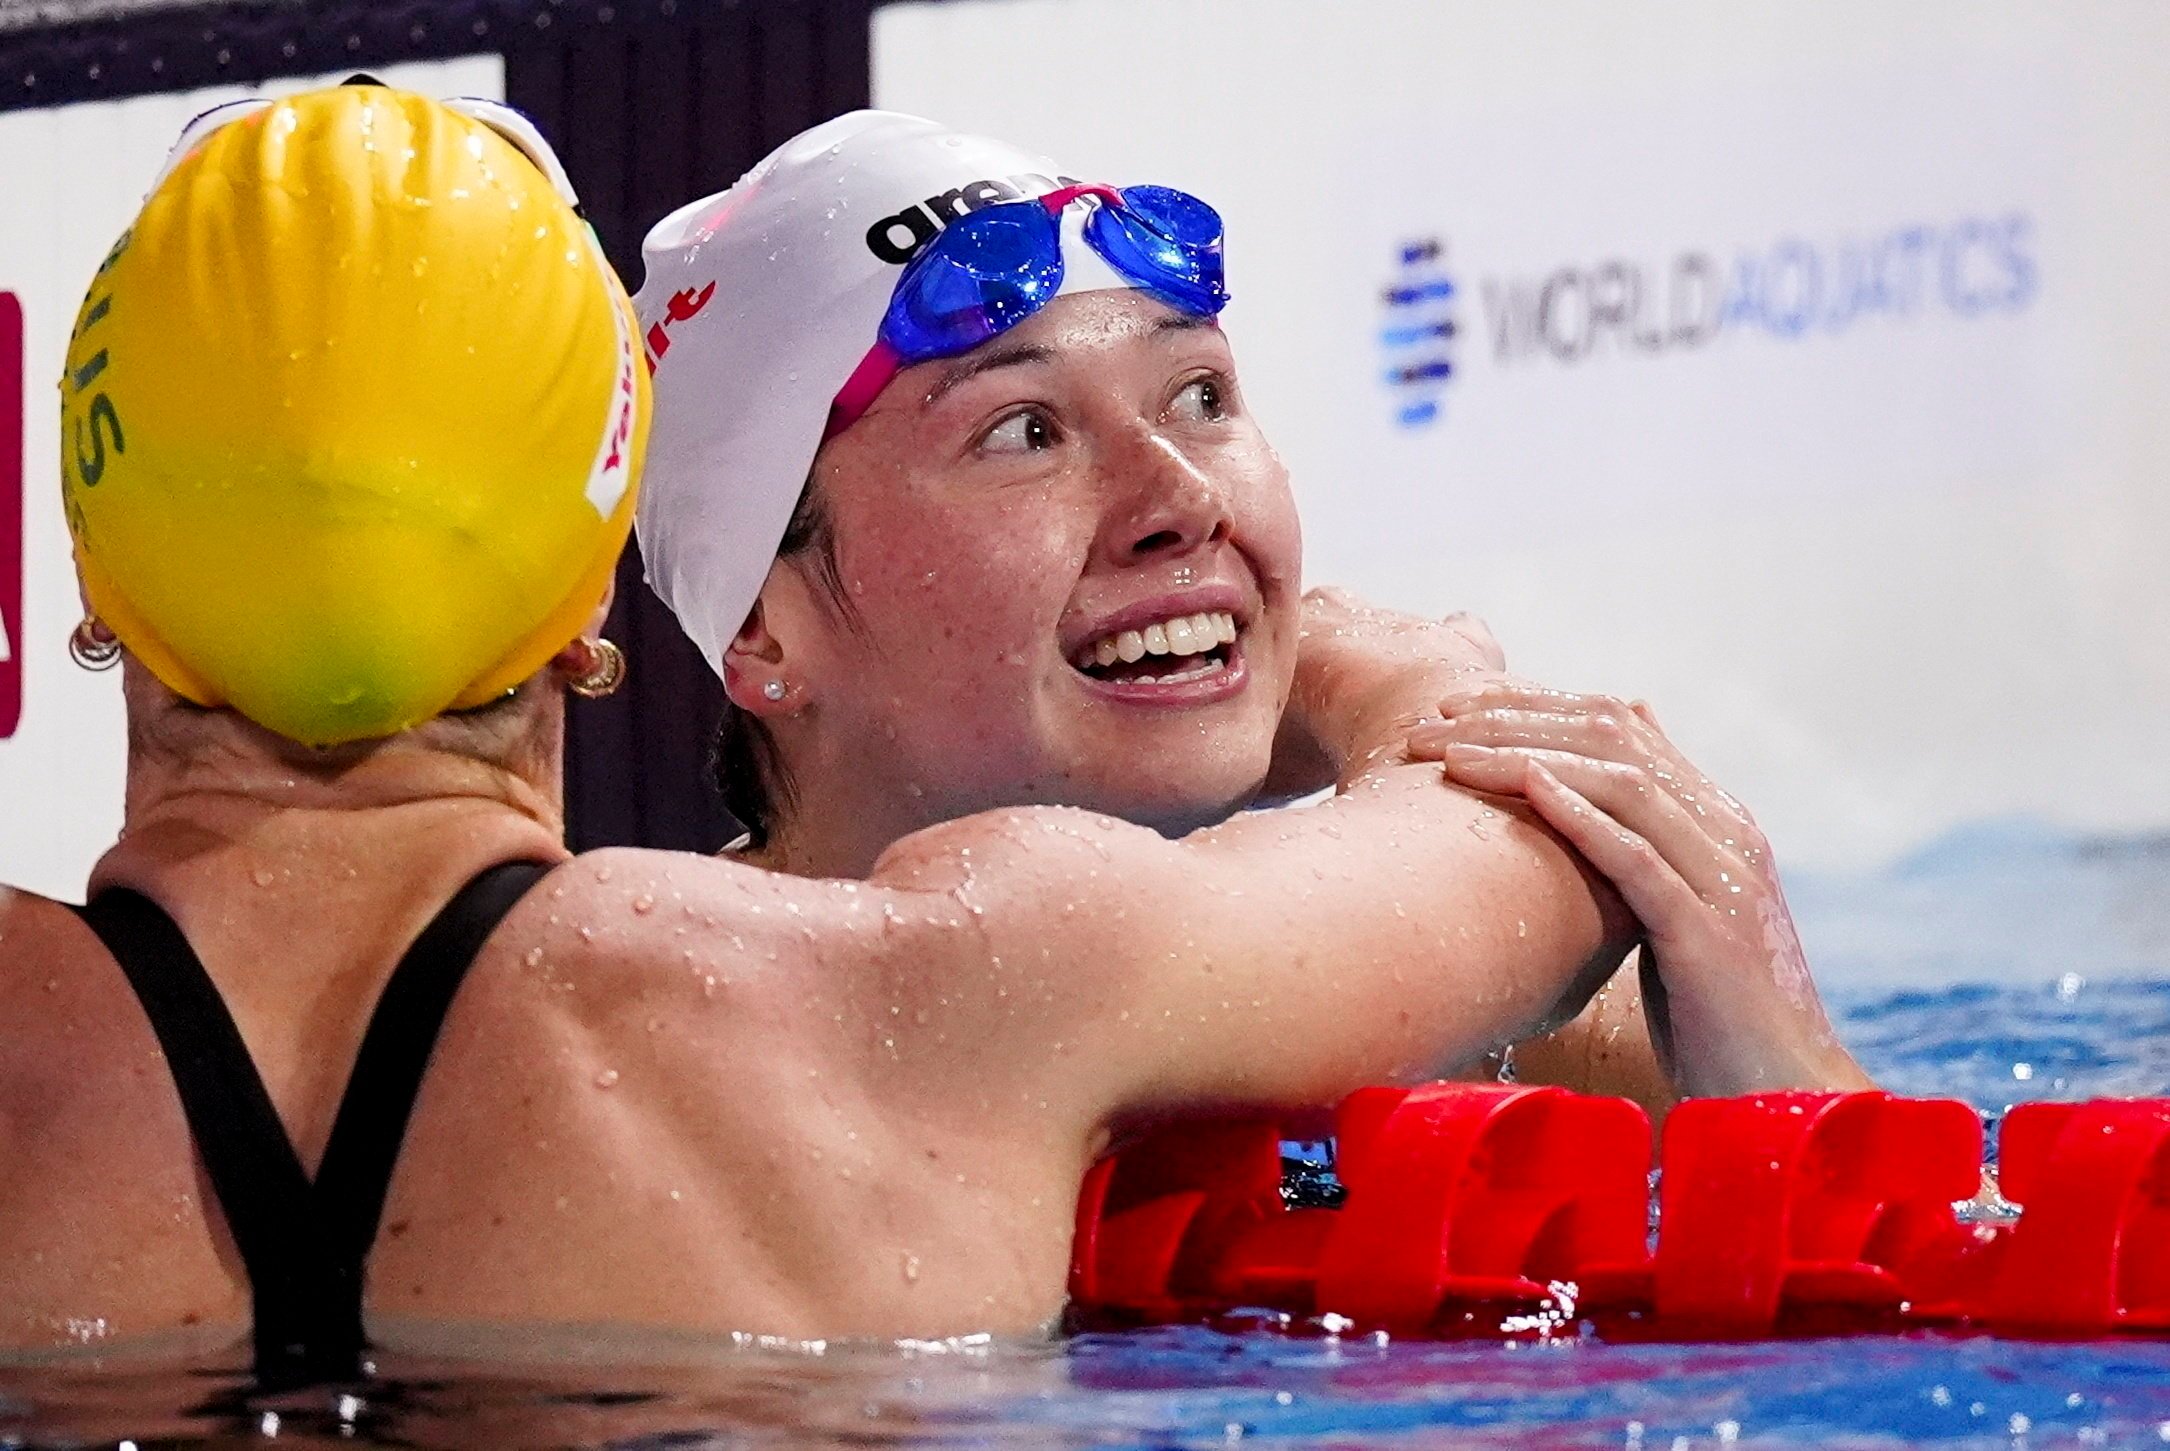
column 70, row 179
column 1801, row 368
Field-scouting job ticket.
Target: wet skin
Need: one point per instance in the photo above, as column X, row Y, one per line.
column 692, row 1094
column 993, row 516
column 677, row 1092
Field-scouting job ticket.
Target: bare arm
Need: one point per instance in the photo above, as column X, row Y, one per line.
column 1279, row 959
column 1400, row 929
column 1368, row 689
column 1081, row 970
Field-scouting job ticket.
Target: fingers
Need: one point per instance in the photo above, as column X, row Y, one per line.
column 1628, row 794
column 1514, row 713
column 1668, row 909
column 1603, row 737
column 1513, row 694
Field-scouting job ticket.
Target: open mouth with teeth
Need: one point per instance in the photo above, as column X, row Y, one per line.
column 1168, row 652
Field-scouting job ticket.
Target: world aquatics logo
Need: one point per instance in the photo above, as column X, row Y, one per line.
column 1417, row 333
column 1797, row 289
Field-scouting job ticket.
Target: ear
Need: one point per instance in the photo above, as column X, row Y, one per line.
column 754, row 659
column 780, row 648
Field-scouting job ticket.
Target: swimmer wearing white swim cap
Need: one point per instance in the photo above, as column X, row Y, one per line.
column 956, row 484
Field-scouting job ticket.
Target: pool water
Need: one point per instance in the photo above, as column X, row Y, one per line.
column 1992, row 1044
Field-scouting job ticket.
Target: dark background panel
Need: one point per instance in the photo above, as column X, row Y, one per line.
column 646, row 119
column 650, row 104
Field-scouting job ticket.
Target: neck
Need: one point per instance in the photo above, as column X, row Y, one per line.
column 842, row 803
column 211, row 796
column 848, row 806
column 829, row 833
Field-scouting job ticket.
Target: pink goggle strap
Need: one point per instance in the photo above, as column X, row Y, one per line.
column 861, row 389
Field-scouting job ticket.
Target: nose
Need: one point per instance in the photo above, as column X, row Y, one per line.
column 1168, row 506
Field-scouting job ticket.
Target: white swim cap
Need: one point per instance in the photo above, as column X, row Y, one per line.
column 758, row 304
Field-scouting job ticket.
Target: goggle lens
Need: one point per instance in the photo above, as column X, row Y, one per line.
column 1167, row 242
column 993, row 269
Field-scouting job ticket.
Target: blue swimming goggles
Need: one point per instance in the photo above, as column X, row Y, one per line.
column 988, row 271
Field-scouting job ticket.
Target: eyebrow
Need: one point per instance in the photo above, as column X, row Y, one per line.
column 1010, row 357
column 1022, row 354
column 1183, row 322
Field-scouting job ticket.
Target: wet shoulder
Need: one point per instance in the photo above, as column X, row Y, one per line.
column 621, row 933
column 74, row 1044
column 48, row 961
column 1022, row 845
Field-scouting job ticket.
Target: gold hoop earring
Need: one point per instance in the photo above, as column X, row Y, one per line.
column 92, row 646
column 605, row 672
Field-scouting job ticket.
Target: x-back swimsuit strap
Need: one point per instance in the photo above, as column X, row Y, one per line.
column 304, row 1244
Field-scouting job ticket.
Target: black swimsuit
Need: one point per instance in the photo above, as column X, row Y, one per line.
column 304, row 1244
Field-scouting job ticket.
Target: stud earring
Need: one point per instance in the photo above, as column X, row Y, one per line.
column 605, row 672
column 93, row 646
column 774, row 690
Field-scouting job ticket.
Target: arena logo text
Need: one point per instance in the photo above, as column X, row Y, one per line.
column 897, row 238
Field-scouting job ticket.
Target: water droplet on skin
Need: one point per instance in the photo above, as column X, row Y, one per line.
column 644, row 904
column 263, row 876
column 534, row 957
column 608, row 1078
column 911, row 1269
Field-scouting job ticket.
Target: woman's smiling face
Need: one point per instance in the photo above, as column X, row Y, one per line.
column 1071, row 562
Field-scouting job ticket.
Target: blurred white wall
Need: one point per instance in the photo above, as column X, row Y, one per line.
column 1869, row 492
column 71, row 177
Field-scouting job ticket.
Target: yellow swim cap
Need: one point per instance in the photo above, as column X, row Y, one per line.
column 352, row 418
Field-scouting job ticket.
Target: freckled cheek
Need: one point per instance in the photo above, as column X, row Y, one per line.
column 977, row 609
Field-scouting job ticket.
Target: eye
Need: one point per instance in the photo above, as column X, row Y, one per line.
column 1026, row 431
column 1204, row 399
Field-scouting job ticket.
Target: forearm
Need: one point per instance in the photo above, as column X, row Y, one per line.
column 1282, row 958
column 1386, row 934
column 1365, row 676
column 1356, row 714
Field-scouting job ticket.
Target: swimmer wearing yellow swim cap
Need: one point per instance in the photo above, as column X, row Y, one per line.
column 352, row 421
